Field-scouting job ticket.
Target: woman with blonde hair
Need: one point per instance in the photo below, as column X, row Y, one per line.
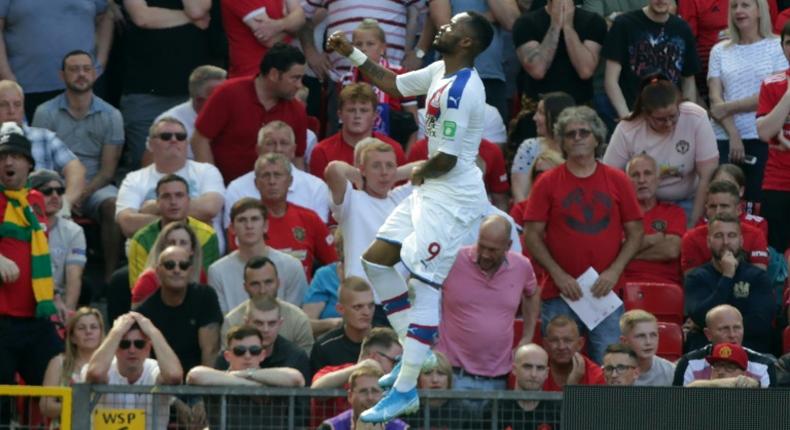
column 84, row 334
column 737, row 68
column 174, row 234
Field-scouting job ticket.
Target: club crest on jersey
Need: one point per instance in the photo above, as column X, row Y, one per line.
column 433, row 110
column 299, row 233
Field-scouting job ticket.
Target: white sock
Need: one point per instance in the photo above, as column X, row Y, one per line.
column 391, row 288
column 421, row 334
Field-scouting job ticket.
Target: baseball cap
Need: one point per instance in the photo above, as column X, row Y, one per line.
column 41, row 177
column 16, row 143
column 729, row 352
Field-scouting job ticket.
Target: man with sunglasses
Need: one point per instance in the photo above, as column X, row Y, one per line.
column 582, row 215
column 123, row 359
column 136, row 205
column 66, row 241
column 188, row 314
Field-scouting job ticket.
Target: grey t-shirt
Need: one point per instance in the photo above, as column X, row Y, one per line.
column 660, row 374
column 226, row 276
column 66, row 247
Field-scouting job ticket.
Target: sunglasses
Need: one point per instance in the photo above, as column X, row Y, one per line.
column 581, row 133
column 171, row 264
column 138, row 344
column 167, row 136
column 240, row 350
column 48, row 191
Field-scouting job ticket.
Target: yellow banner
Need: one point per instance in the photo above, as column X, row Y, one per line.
column 118, row 419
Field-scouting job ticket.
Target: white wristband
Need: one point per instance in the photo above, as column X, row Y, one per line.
column 357, row 57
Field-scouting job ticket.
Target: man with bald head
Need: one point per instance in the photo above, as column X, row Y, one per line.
column 188, row 314
column 531, row 369
column 481, row 296
column 723, row 324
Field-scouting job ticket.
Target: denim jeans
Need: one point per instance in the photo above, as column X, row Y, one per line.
column 463, row 381
column 605, row 334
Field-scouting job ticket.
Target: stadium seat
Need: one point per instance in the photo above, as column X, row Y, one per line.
column 518, row 332
column 670, row 341
column 664, row 300
column 786, row 341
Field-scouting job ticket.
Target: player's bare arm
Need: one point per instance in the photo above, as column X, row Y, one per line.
column 435, row 167
column 379, row 76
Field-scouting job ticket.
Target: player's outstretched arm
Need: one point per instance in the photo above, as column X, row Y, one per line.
column 435, row 167
column 379, row 76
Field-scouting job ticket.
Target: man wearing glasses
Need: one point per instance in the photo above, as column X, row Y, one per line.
column 245, row 354
column 66, row 241
column 136, row 203
column 188, row 314
column 620, row 365
column 122, row 359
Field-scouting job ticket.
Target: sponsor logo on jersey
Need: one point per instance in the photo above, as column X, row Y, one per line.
column 448, row 128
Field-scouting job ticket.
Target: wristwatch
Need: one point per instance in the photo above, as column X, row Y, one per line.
column 419, row 53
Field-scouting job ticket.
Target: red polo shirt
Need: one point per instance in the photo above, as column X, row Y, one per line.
column 593, row 375
column 335, row 148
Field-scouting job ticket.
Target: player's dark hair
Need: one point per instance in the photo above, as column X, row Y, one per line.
column 483, row 32
column 257, row 262
column 281, row 57
column 620, row 348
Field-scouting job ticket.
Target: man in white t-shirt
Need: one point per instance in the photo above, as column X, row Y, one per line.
column 202, row 82
column 122, row 359
column 449, row 197
column 639, row 330
column 306, row 190
column 136, row 204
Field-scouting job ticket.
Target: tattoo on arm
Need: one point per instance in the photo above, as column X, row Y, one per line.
column 381, row 77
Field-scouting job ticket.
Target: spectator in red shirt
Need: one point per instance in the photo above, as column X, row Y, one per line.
column 253, row 26
column 722, row 198
column 591, row 206
column 567, row 365
column 26, row 343
column 357, row 112
column 773, row 109
column 226, row 129
column 493, row 166
column 293, row 229
column 658, row 258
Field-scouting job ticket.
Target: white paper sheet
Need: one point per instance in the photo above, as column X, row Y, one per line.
column 592, row 310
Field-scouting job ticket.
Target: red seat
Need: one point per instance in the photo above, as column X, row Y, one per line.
column 786, row 341
column 670, row 341
column 664, row 300
column 518, row 332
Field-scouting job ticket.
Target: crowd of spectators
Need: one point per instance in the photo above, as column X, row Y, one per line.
column 225, row 213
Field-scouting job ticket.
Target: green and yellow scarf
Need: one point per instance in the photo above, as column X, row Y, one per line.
column 19, row 222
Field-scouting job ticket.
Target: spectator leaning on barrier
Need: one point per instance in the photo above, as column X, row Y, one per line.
column 187, row 313
column 723, row 323
column 640, row 332
column 531, row 369
column 122, row 359
column 620, row 365
column 261, row 279
column 728, row 362
column 27, row 336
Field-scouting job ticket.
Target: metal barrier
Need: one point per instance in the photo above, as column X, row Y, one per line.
column 242, row 408
column 19, row 406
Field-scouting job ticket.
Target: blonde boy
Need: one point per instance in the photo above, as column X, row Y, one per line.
column 640, row 332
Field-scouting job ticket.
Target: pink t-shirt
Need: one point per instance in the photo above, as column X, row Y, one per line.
column 476, row 331
column 676, row 153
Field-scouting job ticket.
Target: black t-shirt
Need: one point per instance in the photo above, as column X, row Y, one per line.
column 546, row 416
column 333, row 349
column 643, row 47
column 159, row 61
column 284, row 354
column 179, row 325
column 561, row 75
